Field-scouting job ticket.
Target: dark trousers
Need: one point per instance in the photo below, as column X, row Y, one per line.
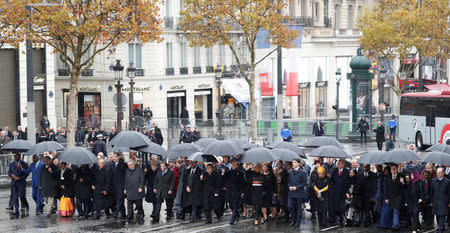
column 120, row 207
column 38, row 198
column 169, row 207
column 414, row 215
column 11, row 201
column 380, row 145
column 258, row 212
column 428, row 217
column 196, row 212
column 82, row 206
column 295, row 208
column 392, row 133
column 18, row 191
column 365, row 137
column 99, row 204
column 139, row 208
column 235, row 204
column 441, row 222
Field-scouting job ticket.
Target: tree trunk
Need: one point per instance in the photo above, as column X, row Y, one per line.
column 253, row 106
column 71, row 121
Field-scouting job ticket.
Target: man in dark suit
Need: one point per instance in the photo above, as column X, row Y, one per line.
column 101, row 187
column 393, row 194
column 112, row 134
column 118, row 168
column 45, row 123
column 366, row 188
column 7, row 132
column 234, row 183
column 440, row 196
column 134, row 189
column 296, row 181
column 18, row 171
column 164, row 188
column 428, row 217
column 158, row 134
column 99, row 145
column 339, row 181
column 318, row 128
column 379, row 135
column 194, row 188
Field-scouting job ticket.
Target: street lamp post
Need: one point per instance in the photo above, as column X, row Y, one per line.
column 131, row 74
column 219, row 105
column 118, row 75
column 381, row 78
column 338, row 81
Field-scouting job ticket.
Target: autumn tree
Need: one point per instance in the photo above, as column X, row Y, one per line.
column 402, row 29
column 79, row 30
column 210, row 22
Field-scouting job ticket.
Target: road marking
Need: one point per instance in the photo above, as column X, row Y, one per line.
column 329, row 228
column 166, row 226
column 220, row 226
column 431, row 230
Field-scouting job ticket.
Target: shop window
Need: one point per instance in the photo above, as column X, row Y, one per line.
column 203, row 106
column 89, row 109
column 303, row 103
column 66, row 94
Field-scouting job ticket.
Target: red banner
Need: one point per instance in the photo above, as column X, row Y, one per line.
column 292, row 84
column 266, row 84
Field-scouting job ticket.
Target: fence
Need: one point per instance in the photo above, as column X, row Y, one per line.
column 6, row 159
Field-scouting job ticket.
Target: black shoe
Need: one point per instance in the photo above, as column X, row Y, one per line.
column 96, row 217
column 129, row 218
column 9, row 208
column 208, row 221
column 292, row 223
column 237, row 220
column 296, row 225
column 231, row 222
column 168, row 218
column 155, row 220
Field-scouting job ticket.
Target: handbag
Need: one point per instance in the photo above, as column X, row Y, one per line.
column 66, row 207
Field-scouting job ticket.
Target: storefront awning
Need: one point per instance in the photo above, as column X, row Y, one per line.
column 238, row 88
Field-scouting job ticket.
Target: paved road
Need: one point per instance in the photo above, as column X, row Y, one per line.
column 35, row 224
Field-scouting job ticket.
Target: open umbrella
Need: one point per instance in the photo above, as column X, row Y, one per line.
column 373, row 157
column 78, row 156
column 153, row 148
column 259, row 155
column 290, row 146
column 329, row 152
column 286, row 155
column 42, row 147
column 130, row 139
column 398, row 156
column 61, row 139
column 440, row 148
column 182, row 150
column 204, row 142
column 200, row 157
column 222, row 148
column 322, row 141
column 17, row 146
column 438, row 157
column 249, row 146
column 238, row 141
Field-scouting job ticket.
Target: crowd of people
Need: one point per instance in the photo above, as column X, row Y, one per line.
column 391, row 196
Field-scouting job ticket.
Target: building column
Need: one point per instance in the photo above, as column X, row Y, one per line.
column 205, row 107
column 23, row 84
column 50, row 92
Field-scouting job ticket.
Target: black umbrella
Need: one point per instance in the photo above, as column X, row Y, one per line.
column 116, row 149
column 204, row 142
column 223, row 148
column 322, row 141
column 290, row 146
column 259, row 155
column 287, row 155
column 61, row 139
column 130, row 139
column 329, row 152
column 440, row 148
column 18, row 146
column 438, row 157
column 398, row 156
column 200, row 157
column 373, row 157
column 249, row 146
column 238, row 141
column 153, row 148
column 78, row 156
column 47, row 146
column 182, row 150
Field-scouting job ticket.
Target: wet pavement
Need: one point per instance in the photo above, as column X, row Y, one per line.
column 36, row 224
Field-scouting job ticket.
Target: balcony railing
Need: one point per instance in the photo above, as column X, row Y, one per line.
column 170, row 71
column 197, row 70
column 305, row 21
column 63, row 72
column 88, row 72
column 168, row 22
column 138, row 72
column 184, row 70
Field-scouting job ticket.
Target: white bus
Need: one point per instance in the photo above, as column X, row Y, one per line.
column 425, row 118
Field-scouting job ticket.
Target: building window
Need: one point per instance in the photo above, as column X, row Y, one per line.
column 209, row 56
column 337, row 16
column 360, row 11
column 169, row 55
column 244, row 55
column 196, row 56
column 304, row 9
column 168, row 8
column 66, row 94
column 222, row 54
column 325, row 8
column 181, row 5
column 183, row 54
column 135, row 54
column 316, row 10
column 350, row 16
column 89, row 109
column 303, row 103
column 203, row 106
column 291, row 9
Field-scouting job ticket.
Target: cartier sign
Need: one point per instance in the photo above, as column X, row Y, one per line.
column 88, row 89
column 177, row 87
column 39, row 80
column 200, row 86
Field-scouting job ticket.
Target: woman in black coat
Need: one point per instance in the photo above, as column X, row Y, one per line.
column 256, row 182
column 66, row 185
column 320, row 185
column 270, row 191
column 246, row 186
column 84, row 179
column 150, row 176
column 352, row 201
column 211, row 189
column 414, row 193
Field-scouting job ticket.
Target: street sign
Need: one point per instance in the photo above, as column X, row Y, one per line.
column 117, row 109
column 123, row 99
column 382, row 107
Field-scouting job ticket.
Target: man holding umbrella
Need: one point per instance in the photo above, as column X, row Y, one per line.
column 18, row 171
